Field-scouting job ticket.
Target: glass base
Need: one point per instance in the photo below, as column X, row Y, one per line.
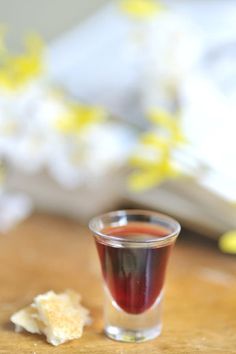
column 126, row 335
column 125, row 327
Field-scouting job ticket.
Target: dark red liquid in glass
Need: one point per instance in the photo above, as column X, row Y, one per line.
column 134, row 276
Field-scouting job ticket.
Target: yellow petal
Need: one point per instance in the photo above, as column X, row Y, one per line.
column 227, row 242
column 151, row 173
column 170, row 123
column 139, row 161
column 171, row 171
column 154, row 163
column 16, row 70
column 79, row 117
column 163, row 118
column 178, row 137
column 141, row 8
column 4, row 81
column 157, row 142
column 142, row 180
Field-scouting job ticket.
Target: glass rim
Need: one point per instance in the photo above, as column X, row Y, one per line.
column 153, row 240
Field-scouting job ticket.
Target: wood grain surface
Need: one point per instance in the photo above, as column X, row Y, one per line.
column 48, row 252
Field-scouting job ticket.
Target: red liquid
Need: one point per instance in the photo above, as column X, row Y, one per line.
column 134, row 276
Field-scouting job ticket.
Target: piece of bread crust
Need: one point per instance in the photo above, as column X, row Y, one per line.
column 60, row 317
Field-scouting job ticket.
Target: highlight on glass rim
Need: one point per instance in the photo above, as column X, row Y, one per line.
column 117, row 176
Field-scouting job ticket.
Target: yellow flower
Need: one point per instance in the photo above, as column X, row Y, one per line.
column 154, row 163
column 142, row 180
column 169, row 122
column 155, row 141
column 152, row 174
column 17, row 70
column 227, row 242
column 141, row 8
column 78, row 117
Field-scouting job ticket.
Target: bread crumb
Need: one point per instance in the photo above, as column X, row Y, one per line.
column 60, row 317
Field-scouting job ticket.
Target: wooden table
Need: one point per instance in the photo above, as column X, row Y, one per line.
column 49, row 252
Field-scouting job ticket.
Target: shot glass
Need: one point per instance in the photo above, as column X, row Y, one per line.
column 134, row 247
